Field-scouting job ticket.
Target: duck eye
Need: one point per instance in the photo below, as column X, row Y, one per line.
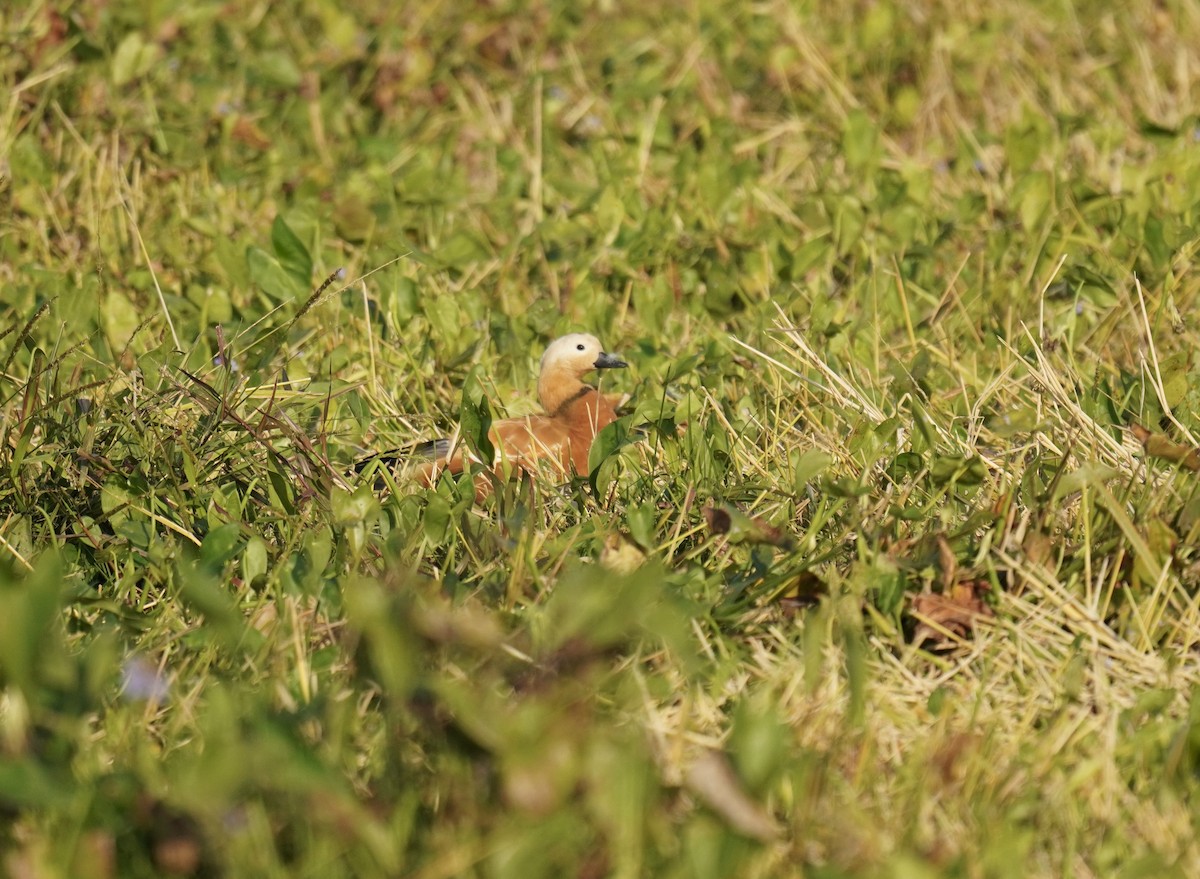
column 579, row 347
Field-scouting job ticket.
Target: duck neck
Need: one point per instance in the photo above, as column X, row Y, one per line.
column 557, row 390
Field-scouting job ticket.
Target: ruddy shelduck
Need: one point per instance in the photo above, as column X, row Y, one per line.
column 560, row 438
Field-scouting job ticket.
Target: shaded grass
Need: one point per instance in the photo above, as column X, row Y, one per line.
column 895, row 279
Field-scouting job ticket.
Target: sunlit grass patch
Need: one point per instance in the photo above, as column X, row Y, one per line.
column 888, row 567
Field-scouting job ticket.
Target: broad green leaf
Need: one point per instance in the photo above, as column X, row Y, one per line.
column 610, row 438
column 759, row 741
column 849, row 220
column 254, row 561
column 134, row 57
column 1024, row 143
column 270, row 276
column 352, row 217
column 27, row 784
column 905, row 465
column 220, row 545
column 641, row 521
column 291, row 252
column 276, row 68
column 208, row 594
column 31, row 644
column 807, row 466
column 436, row 518
column 1087, row 475
column 387, row 633
column 860, row 141
column 1036, row 195
column 461, row 249
column 476, row 418
column 282, row 492
column 121, row 318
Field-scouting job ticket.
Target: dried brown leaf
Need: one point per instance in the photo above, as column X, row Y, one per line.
column 727, row 520
column 245, row 130
column 953, row 756
column 620, row 554
column 947, row 562
column 467, row 625
column 950, row 617
column 1159, row 446
column 715, row 784
column 178, row 855
column 1038, row 548
column 804, row 591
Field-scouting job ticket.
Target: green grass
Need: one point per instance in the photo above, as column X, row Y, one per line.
column 895, row 278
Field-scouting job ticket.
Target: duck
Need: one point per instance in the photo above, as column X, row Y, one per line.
column 559, row 439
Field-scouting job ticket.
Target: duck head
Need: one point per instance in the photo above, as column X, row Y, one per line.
column 566, row 361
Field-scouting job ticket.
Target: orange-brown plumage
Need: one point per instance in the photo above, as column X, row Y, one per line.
column 573, row 413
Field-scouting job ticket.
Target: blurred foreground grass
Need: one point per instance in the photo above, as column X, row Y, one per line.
column 874, row 580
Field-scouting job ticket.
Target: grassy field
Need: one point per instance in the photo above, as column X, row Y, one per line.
column 891, row 570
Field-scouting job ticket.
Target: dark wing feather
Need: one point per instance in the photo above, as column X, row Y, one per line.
column 438, row 448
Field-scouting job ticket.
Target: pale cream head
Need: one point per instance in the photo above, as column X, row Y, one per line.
column 577, row 353
column 565, row 363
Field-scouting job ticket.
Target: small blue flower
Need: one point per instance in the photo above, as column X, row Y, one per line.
column 142, row 680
